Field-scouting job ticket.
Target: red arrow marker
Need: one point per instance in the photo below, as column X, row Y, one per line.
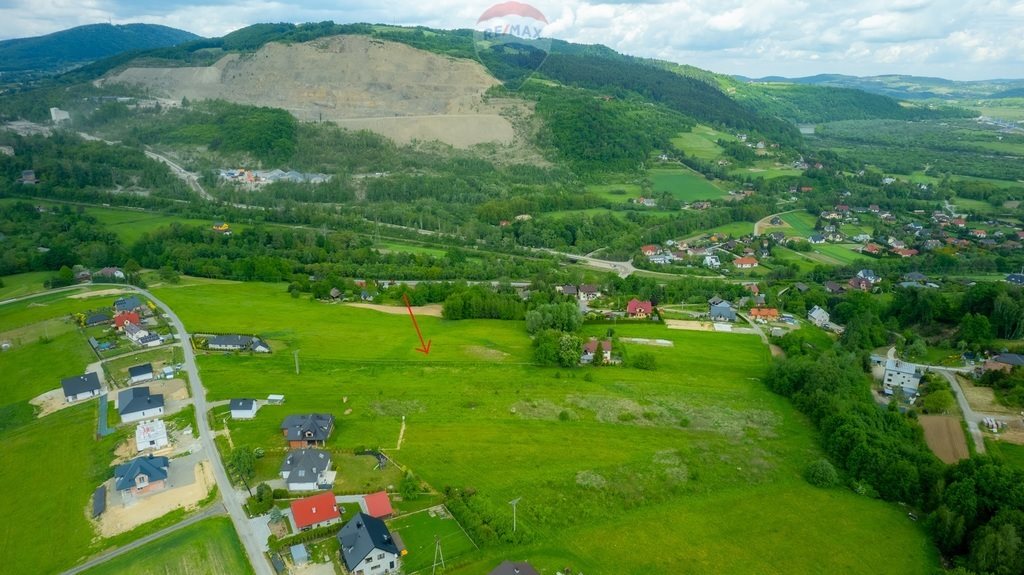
column 424, row 348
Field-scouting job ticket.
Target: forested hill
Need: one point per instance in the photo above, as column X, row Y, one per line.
column 85, row 44
column 903, row 87
column 814, row 104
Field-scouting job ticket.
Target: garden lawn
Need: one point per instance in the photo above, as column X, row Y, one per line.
column 418, row 531
column 210, row 547
column 684, row 184
column 1011, row 453
column 697, row 456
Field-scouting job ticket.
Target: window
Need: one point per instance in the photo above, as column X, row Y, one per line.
column 375, row 567
column 380, row 556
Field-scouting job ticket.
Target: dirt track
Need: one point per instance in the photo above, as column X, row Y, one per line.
column 689, row 325
column 432, row 310
column 945, row 437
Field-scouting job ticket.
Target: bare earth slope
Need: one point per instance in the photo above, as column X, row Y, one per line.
column 358, row 82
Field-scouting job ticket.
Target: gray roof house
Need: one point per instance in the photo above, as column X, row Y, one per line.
column 307, row 430
column 307, row 470
column 140, row 473
column 363, row 540
column 237, row 343
column 514, row 568
column 722, row 312
column 243, row 408
column 81, row 386
column 140, row 373
column 130, row 303
column 136, row 403
column 97, row 319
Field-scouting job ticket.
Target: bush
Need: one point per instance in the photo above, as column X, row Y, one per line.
column 821, row 474
column 281, row 494
column 644, row 360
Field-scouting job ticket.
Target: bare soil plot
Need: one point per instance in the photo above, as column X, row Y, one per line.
column 433, row 310
column 50, row 402
column 945, row 437
column 981, row 398
column 118, row 518
column 689, row 325
column 102, row 292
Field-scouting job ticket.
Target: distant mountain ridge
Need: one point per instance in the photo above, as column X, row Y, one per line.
column 906, row 87
column 84, row 44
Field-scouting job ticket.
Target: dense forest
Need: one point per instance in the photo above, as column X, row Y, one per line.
column 35, row 240
column 816, row 104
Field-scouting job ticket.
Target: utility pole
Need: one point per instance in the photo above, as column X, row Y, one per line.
column 296, row 362
column 438, row 555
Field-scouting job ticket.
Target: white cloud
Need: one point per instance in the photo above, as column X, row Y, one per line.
column 961, row 39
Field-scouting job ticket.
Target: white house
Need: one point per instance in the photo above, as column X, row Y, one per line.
column 712, row 262
column 141, row 336
column 244, row 408
column 589, row 292
column 150, row 434
column 140, row 373
column 136, row 404
column 819, row 317
column 81, row 387
column 367, row 546
column 903, row 375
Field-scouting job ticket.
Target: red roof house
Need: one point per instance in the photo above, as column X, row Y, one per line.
column 979, row 233
column 126, row 317
column 638, row 309
column 649, row 250
column 378, row 505
column 765, row 313
column 905, row 252
column 317, row 511
column 744, row 263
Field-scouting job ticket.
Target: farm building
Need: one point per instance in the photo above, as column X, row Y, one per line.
column 140, row 373
column 151, row 434
column 378, row 505
column 244, row 408
column 318, row 510
column 308, row 430
column 903, row 375
column 141, row 475
column 136, row 403
column 80, row 387
column 307, row 470
column 367, row 546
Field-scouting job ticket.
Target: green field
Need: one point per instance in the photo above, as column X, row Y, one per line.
column 418, row 531
column 764, row 169
column 735, row 229
column 616, row 193
column 23, row 284
column 392, row 246
column 1011, row 453
column 684, row 184
column 210, row 547
column 701, row 142
column 698, row 456
column 801, row 224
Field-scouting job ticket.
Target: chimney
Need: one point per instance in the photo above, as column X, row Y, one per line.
column 314, row 510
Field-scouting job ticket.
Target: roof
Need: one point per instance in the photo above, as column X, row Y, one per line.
column 361, row 535
column 230, row 340
column 148, row 338
column 136, row 399
column 126, row 317
column 589, row 288
column 99, row 501
column 97, row 318
column 1009, row 358
column 315, row 426
column 305, row 465
column 915, row 277
column 744, row 261
column 151, row 430
column 816, row 311
column 591, row 345
column 764, row 312
column 242, row 404
column 514, row 568
column 378, row 504
column 80, row 384
column 1015, row 278
column 127, row 303
column 314, row 509
column 636, row 306
column 155, row 468
column 569, row 290
column 145, row 369
column 299, row 553
column 900, row 367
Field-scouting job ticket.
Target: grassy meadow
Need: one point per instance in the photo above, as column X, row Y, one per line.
column 210, row 547
column 684, row 184
column 19, row 285
column 698, row 455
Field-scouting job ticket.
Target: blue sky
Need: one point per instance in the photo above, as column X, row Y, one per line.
column 958, row 39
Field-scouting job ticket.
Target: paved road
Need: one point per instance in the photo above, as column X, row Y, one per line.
column 184, row 174
column 233, row 503
column 212, row 511
column 973, row 418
